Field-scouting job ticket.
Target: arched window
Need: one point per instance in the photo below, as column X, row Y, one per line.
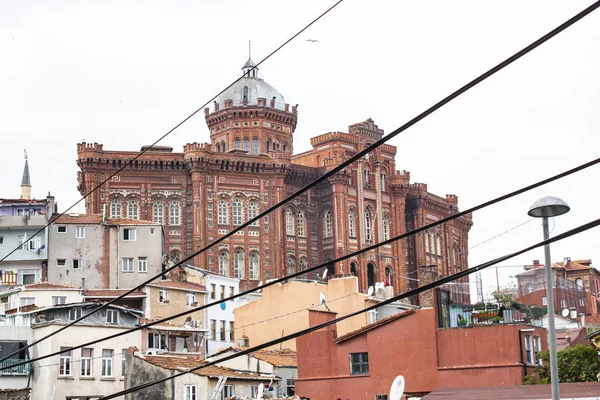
column 327, row 224
column 157, row 212
column 427, row 243
column 289, row 222
column 353, row 268
column 222, row 212
column 224, row 263
column 303, row 264
column 133, row 209
column 579, row 283
column 175, row 212
column 237, row 211
column 255, row 146
column 246, row 145
column 367, row 182
column 237, row 143
column 253, row 211
column 218, row 147
column 254, row 266
column 438, row 245
column 268, row 146
column 457, row 261
column 115, row 208
column 351, row 224
column 369, row 231
column 284, row 147
column 301, row 224
column 223, row 149
column 386, row 228
column 291, row 261
column 388, row 276
column 245, row 92
column 238, row 264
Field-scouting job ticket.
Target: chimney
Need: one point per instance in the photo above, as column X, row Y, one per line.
column 536, row 262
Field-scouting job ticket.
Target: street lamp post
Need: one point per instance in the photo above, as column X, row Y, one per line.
column 545, row 208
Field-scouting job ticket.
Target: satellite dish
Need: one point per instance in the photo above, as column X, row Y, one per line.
column 324, row 274
column 397, row 389
column 565, row 312
column 370, row 291
column 322, row 298
column 259, row 392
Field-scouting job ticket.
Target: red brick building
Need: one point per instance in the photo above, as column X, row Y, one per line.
column 208, row 189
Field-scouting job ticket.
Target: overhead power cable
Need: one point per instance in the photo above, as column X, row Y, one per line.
column 356, row 157
column 317, row 267
column 127, row 163
column 439, row 282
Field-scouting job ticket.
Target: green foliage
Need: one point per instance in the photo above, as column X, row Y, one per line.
column 575, row 364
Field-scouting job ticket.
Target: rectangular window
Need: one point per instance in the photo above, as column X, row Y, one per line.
column 213, row 329
column 86, row 361
column 152, row 231
column 64, row 368
column 582, row 302
column 107, row 362
column 74, row 314
column 213, row 290
column 127, row 264
column 190, row 298
column 231, row 290
column 544, row 301
column 536, row 349
column 290, row 387
column 222, row 291
column 228, row 391
column 80, row 232
column 142, row 264
column 222, row 330
column 61, row 229
column 359, row 363
column 163, row 295
column 157, row 341
column 190, row 392
column 57, row 300
column 129, row 234
column 563, row 303
column 231, row 331
column 1, row 239
column 25, row 301
column 123, row 359
column 77, row 263
column 528, row 354
column 20, row 241
column 373, row 316
column 112, row 316
column 61, row 262
column 253, row 391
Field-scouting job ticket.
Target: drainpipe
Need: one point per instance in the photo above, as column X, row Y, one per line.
column 118, row 243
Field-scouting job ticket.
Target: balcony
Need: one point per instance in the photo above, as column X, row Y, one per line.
column 19, row 370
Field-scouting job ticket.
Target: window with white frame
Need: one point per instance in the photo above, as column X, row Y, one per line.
column 246, row 144
column 291, row 262
column 107, row 362
column 129, row 234
column 158, row 210
column 563, row 303
column 133, row 209
column 163, row 295
column 373, row 316
column 190, row 298
column 301, row 223
column 57, row 300
column 74, row 314
column 228, row 391
column 190, row 392
column 351, row 224
column 528, row 353
column 213, row 329
column 64, row 365
column 238, row 264
column 582, row 302
column 237, row 211
column 86, row 361
column 112, row 317
column 157, row 341
column 142, row 264
column 544, row 301
column 123, row 359
column 127, row 264
column 224, row 263
column 77, row 263
column 253, row 211
column 536, row 349
column 327, row 224
column 80, row 232
column 386, row 228
column 25, row 301
column 254, row 266
column 175, row 212
column 289, row 222
column 115, row 208
column 359, row 363
column 369, row 231
column 222, row 212
column 222, row 330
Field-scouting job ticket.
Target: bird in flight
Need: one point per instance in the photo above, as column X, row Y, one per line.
column 312, row 40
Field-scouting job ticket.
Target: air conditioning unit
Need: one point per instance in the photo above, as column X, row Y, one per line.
column 197, row 324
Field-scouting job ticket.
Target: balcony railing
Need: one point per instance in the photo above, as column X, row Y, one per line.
column 14, row 370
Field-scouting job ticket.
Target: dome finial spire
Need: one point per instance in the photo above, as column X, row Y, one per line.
column 250, row 49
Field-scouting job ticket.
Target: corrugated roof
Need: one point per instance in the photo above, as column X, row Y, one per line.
column 374, row 325
column 112, row 293
column 521, row 392
column 183, row 363
column 193, row 287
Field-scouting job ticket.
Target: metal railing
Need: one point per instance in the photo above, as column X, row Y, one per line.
column 15, row 370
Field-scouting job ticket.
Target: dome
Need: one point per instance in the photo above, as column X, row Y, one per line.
column 251, row 88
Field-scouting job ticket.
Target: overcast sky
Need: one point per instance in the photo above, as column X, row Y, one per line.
column 123, row 73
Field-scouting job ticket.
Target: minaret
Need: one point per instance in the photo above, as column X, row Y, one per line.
column 25, row 182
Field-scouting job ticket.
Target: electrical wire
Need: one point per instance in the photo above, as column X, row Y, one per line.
column 127, row 163
column 356, row 157
column 324, row 265
column 439, row 282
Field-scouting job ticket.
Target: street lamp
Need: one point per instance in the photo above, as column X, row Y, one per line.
column 545, row 208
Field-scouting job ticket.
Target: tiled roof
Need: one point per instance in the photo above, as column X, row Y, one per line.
column 129, row 221
column 77, row 219
column 570, row 265
column 279, row 358
column 179, row 285
column 24, row 309
column 182, row 363
column 23, row 201
column 47, row 286
column 112, row 293
column 529, row 392
column 374, row 325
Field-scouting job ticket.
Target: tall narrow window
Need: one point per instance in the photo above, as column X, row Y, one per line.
column 301, row 224
column 369, row 232
column 107, row 362
column 175, row 213
column 255, row 146
column 133, row 210
column 528, row 349
column 291, row 265
column 386, row 228
column 157, row 212
column 327, row 224
column 245, row 93
column 253, row 211
column 65, row 361
column 115, row 208
column 367, row 182
column 237, row 211
column 303, row 264
column 383, row 182
column 190, row 390
column 351, row 224
column 224, row 263
column 222, row 212
column 246, row 144
column 289, row 222
column 238, row 264
column 86, row 361
column 254, row 266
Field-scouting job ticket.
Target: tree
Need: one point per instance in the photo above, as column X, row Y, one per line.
column 575, row 364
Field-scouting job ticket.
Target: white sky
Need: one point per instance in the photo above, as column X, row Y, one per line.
column 123, row 74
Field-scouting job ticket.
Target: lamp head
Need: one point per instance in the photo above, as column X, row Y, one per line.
column 548, row 207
